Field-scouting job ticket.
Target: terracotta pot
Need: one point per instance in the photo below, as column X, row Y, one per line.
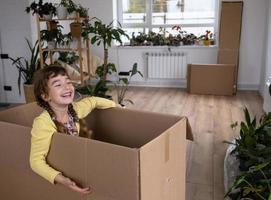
column 76, row 29
column 51, row 25
column 29, row 93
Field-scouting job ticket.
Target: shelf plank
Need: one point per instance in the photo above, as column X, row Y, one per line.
column 68, row 19
column 63, row 49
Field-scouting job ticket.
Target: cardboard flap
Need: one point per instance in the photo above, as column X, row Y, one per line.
column 162, row 165
column 189, row 133
column 22, row 115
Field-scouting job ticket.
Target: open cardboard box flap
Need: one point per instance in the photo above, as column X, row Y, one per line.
column 136, row 155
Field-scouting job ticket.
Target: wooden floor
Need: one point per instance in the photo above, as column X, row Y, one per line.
column 210, row 118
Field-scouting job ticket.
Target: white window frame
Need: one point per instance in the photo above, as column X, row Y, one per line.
column 148, row 23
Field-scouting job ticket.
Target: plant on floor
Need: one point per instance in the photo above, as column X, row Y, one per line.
column 41, row 8
column 122, row 86
column 27, row 67
column 253, row 150
column 103, row 34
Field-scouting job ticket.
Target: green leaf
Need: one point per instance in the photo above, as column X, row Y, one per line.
column 247, row 116
column 124, row 80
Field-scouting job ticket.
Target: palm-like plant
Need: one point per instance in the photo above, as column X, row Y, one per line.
column 27, row 68
column 104, row 34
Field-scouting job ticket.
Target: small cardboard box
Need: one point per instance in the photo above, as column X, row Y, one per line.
column 214, row 79
column 136, row 156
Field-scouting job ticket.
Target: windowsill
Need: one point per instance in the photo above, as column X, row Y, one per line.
column 167, row 47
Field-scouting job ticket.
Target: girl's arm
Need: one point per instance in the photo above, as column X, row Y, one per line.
column 86, row 105
column 42, row 132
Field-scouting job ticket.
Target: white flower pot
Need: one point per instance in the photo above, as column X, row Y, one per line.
column 72, row 15
column 62, row 12
column 51, row 44
column 48, row 17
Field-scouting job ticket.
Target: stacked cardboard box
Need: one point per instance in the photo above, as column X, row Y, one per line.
column 221, row 79
column 136, row 155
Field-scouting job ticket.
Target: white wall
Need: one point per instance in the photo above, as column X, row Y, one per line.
column 14, row 27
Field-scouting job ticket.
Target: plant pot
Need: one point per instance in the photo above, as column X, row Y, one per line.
column 51, row 25
column 51, row 44
column 231, row 167
column 48, row 17
column 72, row 14
column 29, row 93
column 74, row 43
column 76, row 29
column 62, row 12
column 206, row 42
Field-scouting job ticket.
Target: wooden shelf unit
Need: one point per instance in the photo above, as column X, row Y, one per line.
column 79, row 48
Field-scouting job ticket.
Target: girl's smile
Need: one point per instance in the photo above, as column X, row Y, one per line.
column 60, row 91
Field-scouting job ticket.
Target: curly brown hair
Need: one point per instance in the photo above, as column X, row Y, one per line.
column 41, row 87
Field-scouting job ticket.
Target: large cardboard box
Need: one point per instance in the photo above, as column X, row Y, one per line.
column 216, row 79
column 135, row 156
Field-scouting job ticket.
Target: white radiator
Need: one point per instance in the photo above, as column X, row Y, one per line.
column 171, row 65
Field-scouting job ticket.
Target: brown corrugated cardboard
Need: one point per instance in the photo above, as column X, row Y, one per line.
column 221, row 79
column 136, row 155
column 230, row 25
column 228, row 56
column 217, row 79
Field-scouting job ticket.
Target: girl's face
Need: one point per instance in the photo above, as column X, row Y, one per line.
column 60, row 91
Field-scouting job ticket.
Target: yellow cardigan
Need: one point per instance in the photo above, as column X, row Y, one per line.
column 43, row 129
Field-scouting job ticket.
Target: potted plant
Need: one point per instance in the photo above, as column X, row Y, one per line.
column 253, row 151
column 83, row 12
column 44, row 10
column 61, row 10
column 27, row 69
column 53, row 37
column 70, row 8
column 66, row 41
column 122, row 86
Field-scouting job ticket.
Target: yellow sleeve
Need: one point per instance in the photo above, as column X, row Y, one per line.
column 86, row 105
column 41, row 135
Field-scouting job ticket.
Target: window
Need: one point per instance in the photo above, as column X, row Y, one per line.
column 194, row 16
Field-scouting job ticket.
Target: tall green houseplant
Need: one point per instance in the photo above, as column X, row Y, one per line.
column 105, row 35
column 27, row 67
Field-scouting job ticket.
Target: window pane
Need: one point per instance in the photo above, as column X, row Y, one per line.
column 134, row 11
column 183, row 11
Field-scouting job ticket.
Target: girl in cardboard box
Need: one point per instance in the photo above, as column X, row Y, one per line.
column 54, row 92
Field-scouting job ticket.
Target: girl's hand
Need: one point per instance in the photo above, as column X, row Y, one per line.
column 71, row 184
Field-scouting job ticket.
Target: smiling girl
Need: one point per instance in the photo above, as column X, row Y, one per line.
column 54, row 92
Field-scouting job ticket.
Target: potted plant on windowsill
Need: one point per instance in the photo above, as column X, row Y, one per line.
column 27, row 69
column 44, row 10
